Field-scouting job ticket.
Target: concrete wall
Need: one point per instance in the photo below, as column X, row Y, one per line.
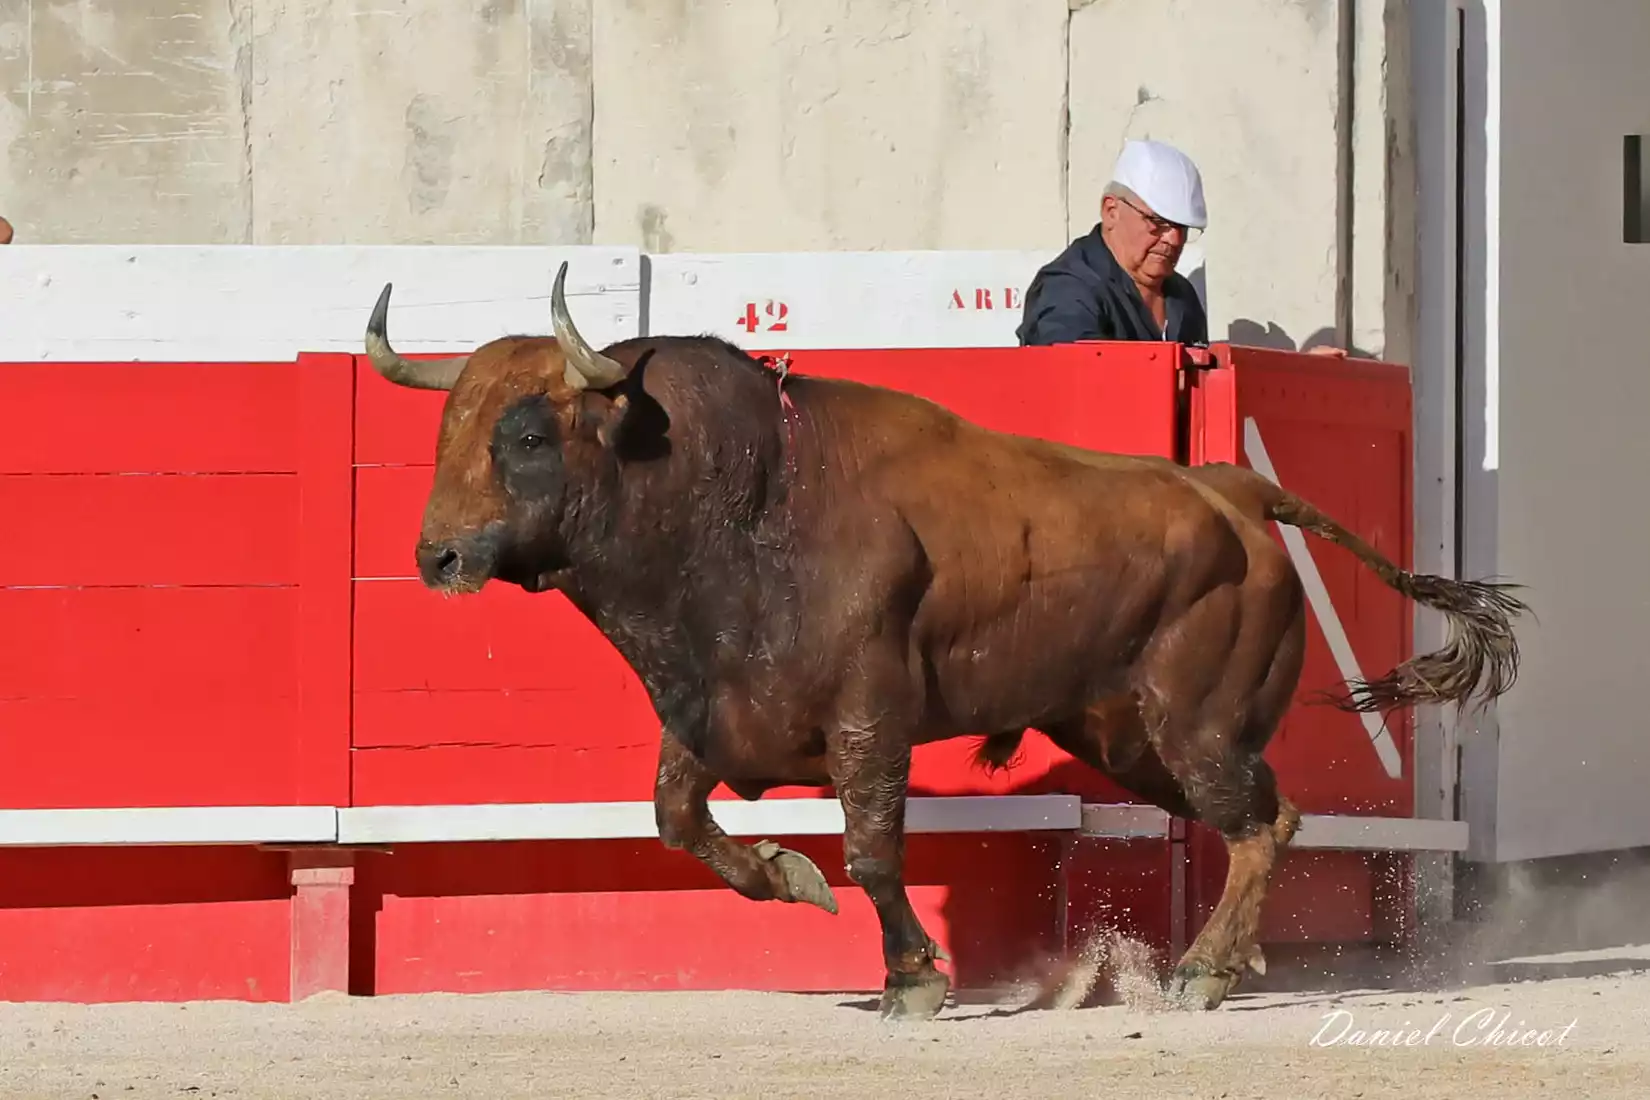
column 1556, row 487
column 296, row 122
column 772, row 124
column 739, row 125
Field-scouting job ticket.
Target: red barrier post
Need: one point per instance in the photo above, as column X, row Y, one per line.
column 321, row 881
column 325, row 432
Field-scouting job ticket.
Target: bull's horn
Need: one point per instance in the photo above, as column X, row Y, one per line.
column 586, row 367
column 430, row 374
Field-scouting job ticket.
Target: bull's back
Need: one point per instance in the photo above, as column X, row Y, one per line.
column 1047, row 565
column 995, row 507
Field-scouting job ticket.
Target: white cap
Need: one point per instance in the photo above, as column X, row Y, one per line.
column 1165, row 179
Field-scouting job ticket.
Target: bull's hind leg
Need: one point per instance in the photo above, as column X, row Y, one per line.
column 1237, row 799
column 763, row 872
column 1257, row 824
column 1210, row 719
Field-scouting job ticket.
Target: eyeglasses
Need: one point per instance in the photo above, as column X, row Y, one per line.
column 1161, row 226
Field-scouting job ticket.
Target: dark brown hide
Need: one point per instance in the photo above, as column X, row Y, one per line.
column 809, row 589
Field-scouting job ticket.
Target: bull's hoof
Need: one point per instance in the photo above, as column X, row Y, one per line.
column 1197, row 988
column 918, row 996
column 801, row 878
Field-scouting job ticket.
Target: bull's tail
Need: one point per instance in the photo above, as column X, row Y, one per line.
column 1480, row 660
column 997, row 751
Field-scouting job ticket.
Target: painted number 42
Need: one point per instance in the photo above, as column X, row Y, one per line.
column 774, row 313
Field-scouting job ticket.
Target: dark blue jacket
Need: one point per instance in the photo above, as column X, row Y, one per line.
column 1084, row 294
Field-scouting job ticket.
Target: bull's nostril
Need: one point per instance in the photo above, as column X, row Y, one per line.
column 446, row 562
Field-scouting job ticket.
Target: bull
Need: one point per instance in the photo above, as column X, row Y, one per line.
column 811, row 576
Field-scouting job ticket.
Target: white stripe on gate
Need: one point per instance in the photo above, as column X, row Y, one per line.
column 1317, row 595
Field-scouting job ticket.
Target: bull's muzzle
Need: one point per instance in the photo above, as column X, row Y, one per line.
column 458, row 564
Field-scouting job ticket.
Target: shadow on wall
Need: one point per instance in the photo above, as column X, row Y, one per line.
column 1199, row 278
column 1256, row 335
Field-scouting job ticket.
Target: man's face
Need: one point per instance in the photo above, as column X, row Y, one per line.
column 1146, row 245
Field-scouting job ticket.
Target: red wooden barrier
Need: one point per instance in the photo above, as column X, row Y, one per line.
column 176, row 604
column 212, row 603
column 174, row 595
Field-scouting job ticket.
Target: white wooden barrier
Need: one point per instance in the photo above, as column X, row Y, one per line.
column 186, row 303
column 236, row 304
column 798, row 300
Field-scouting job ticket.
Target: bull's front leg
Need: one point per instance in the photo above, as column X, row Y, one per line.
column 762, row 872
column 871, row 772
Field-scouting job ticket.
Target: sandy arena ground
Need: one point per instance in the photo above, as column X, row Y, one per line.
column 1269, row 1045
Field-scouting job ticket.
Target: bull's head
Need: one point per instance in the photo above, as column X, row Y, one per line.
column 522, row 416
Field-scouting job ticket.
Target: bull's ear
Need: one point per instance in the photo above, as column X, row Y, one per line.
column 601, row 418
column 630, row 424
column 613, row 417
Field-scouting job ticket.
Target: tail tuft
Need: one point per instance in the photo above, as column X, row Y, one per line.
column 1480, row 660
column 998, row 751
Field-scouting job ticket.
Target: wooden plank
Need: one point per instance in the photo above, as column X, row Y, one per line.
column 394, row 425
column 793, row 300
column 143, row 647
column 105, row 418
column 102, row 750
column 214, row 529
column 407, row 637
column 389, row 507
column 326, row 385
column 578, row 723
column 1113, row 397
column 447, row 773
column 235, row 303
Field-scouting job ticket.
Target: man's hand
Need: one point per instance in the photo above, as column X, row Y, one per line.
column 1326, row 349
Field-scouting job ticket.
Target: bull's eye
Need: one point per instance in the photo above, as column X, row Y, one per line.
column 531, row 441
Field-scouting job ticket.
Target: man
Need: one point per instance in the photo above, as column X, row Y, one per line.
column 1118, row 281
